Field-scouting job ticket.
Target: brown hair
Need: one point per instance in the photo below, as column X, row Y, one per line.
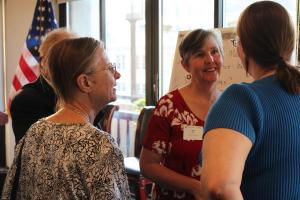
column 67, row 60
column 267, row 36
column 195, row 41
column 52, row 38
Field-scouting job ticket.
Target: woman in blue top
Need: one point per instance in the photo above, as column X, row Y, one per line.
column 252, row 134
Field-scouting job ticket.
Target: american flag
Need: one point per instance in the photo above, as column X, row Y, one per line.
column 27, row 70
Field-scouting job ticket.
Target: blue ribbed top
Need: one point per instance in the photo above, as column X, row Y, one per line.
column 270, row 117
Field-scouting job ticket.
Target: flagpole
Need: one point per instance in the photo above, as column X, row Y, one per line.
column 4, row 56
column 4, row 84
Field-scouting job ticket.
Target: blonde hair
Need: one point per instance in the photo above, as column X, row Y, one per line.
column 48, row 42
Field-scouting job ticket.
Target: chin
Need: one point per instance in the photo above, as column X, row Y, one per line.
column 212, row 79
column 113, row 98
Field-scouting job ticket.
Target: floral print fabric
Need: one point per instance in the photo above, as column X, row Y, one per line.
column 68, row 161
column 165, row 136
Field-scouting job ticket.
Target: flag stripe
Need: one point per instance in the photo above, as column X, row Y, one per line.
column 31, row 61
column 21, row 77
column 16, row 83
column 30, row 76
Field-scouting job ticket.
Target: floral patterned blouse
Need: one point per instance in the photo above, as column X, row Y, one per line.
column 165, row 136
column 68, row 161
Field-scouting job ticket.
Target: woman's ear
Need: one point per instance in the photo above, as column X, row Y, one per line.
column 84, row 83
column 185, row 66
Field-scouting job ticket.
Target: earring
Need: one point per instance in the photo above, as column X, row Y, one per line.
column 188, row 77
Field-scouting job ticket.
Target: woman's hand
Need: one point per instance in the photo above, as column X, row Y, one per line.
column 197, row 190
column 152, row 168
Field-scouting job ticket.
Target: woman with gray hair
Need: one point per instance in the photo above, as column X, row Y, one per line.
column 174, row 137
column 64, row 156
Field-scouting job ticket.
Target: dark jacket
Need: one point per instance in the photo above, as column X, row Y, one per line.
column 36, row 100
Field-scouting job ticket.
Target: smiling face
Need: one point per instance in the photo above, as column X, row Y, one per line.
column 205, row 64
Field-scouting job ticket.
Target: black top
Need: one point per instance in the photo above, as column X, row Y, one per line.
column 36, row 100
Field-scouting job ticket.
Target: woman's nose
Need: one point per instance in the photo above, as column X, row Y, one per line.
column 209, row 58
column 117, row 75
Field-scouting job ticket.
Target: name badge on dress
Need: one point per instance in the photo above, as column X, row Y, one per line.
column 192, row 132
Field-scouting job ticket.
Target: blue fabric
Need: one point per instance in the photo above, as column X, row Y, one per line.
column 270, row 117
column 42, row 23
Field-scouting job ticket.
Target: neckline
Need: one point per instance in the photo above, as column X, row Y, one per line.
column 187, row 107
column 267, row 74
column 64, row 123
column 265, row 77
column 78, row 111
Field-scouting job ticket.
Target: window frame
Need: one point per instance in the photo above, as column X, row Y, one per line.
column 152, row 14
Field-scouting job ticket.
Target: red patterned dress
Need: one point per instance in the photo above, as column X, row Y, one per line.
column 165, row 136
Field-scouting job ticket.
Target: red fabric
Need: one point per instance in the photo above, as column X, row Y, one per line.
column 27, row 71
column 165, row 136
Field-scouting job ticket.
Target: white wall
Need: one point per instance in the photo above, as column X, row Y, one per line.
column 1, row 62
column 18, row 20
column 18, row 17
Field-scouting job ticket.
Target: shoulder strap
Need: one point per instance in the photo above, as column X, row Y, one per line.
column 15, row 185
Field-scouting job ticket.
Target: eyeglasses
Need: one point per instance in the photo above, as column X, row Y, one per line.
column 112, row 68
column 235, row 41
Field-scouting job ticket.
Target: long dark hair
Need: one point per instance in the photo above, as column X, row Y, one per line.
column 267, row 35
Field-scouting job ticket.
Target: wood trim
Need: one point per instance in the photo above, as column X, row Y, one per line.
column 218, row 14
column 152, row 51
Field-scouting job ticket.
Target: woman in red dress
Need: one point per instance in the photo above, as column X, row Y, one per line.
column 174, row 137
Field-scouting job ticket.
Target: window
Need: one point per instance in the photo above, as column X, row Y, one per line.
column 179, row 15
column 232, row 9
column 83, row 17
column 124, row 38
column 125, row 45
column 137, row 46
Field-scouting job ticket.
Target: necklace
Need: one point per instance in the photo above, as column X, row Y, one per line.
column 78, row 111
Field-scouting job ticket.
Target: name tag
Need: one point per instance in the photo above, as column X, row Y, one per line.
column 192, row 132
